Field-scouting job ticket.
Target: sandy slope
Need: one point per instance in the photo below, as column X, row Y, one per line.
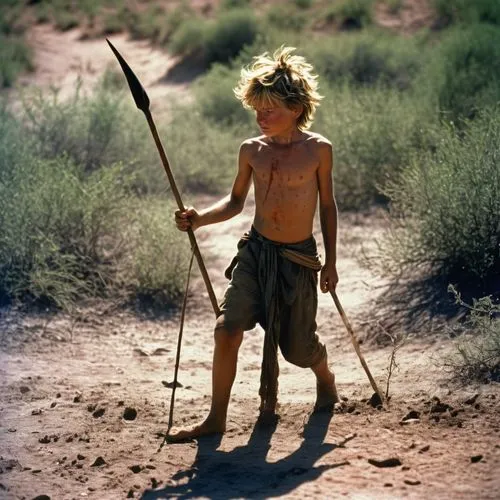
column 64, row 396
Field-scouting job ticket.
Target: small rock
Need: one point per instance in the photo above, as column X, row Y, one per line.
column 388, row 462
column 91, row 408
column 412, row 415
column 130, row 413
column 160, row 351
column 24, row 389
column 439, row 407
column 375, row 401
column 98, row 413
column 80, row 456
column 411, row 482
column 44, row 440
column 120, row 403
column 42, row 497
column 11, row 429
column 38, row 411
column 130, row 494
column 170, row 385
column 344, row 398
column 53, row 404
column 135, row 468
column 424, row 448
column 387, row 485
column 58, row 395
column 98, row 462
column 476, row 458
column 471, row 400
column 77, row 398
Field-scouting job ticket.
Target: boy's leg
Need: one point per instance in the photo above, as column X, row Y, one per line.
column 326, row 392
column 223, row 373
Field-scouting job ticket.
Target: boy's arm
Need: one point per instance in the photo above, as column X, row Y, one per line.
column 328, row 217
column 226, row 208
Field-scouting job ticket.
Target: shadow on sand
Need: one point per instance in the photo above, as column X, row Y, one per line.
column 244, row 471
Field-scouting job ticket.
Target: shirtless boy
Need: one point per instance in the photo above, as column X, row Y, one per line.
column 274, row 281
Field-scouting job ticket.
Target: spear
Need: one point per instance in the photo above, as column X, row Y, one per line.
column 142, row 102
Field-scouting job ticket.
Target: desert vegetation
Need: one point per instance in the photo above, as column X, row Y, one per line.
column 414, row 121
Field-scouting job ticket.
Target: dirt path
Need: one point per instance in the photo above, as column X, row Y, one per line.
column 63, row 403
column 81, row 410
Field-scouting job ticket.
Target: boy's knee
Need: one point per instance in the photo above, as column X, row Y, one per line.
column 302, row 355
column 227, row 338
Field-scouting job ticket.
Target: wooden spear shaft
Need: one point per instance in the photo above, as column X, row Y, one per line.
column 142, row 102
column 355, row 343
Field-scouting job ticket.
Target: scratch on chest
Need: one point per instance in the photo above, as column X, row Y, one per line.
column 274, row 170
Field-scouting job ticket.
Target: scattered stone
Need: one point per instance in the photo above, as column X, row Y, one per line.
column 42, row 497
column 98, row 462
column 150, row 466
column 135, row 468
column 9, row 464
column 69, row 439
column 160, row 351
column 53, row 404
column 170, row 385
column 77, row 398
column 140, row 352
column 130, row 413
column 38, row 411
column 11, row 429
column 80, row 456
column 439, row 407
column 44, row 440
column 130, row 493
column 24, row 389
column 120, row 403
column 405, row 467
column 58, row 395
column 387, row 485
column 344, row 398
column 471, row 400
column 375, row 401
column 98, row 413
column 425, row 448
column 388, row 462
column 91, row 408
column 476, row 458
column 411, row 482
column 412, row 415
column 36, row 471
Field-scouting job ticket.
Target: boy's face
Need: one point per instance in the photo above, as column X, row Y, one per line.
column 275, row 118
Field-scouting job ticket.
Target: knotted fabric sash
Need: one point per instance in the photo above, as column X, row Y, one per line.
column 279, row 284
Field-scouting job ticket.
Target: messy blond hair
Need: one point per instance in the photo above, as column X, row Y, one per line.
column 284, row 77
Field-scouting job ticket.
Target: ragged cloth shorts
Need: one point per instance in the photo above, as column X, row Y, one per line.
column 275, row 284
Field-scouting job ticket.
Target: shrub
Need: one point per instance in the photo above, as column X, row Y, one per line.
column 367, row 59
column 216, row 100
column 189, row 38
column 227, row 36
column 15, row 57
column 352, row 13
column 467, row 12
column 374, row 134
column 463, row 75
column 477, row 354
column 293, row 20
column 159, row 255
column 446, row 208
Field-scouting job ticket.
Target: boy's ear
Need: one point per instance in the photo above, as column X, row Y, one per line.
column 297, row 109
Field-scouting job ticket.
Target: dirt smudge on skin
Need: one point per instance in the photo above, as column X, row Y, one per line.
column 274, row 171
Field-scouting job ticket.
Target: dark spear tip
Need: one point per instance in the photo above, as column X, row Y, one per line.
column 140, row 97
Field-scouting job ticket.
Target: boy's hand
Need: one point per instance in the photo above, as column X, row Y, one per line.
column 329, row 278
column 189, row 219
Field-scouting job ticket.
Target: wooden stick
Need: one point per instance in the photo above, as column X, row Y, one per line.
column 356, row 344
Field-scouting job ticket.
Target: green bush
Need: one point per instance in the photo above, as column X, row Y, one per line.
column 159, row 255
column 189, row 38
column 367, row 59
column 216, row 100
column 463, row 75
column 446, row 207
column 293, row 20
column 374, row 133
column 15, row 57
column 229, row 34
column 477, row 354
column 352, row 13
column 467, row 12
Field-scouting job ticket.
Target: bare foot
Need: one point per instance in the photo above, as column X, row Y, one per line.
column 206, row 428
column 326, row 396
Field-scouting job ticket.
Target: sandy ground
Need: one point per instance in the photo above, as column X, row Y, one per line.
column 83, row 406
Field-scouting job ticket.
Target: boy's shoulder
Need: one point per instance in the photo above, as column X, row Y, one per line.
column 317, row 140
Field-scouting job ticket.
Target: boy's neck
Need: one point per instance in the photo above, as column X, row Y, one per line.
column 287, row 137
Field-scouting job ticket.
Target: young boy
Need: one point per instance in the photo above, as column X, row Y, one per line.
column 274, row 275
